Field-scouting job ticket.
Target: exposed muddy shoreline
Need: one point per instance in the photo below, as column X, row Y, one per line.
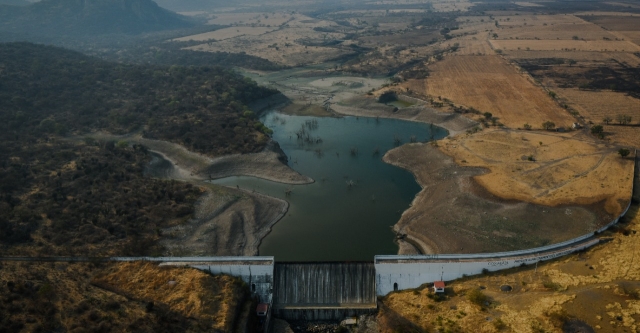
column 270, row 164
column 227, row 221
column 454, row 214
column 237, row 221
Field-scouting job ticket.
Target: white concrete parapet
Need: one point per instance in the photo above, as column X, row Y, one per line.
column 257, row 272
column 407, row 272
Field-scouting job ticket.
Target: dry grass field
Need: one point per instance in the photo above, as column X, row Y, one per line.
column 568, row 45
column 615, row 22
column 598, row 288
column 549, row 27
column 283, row 37
column 115, row 297
column 410, row 38
column 284, row 46
column 546, row 168
column 470, row 46
column 267, row 19
column 596, row 105
column 582, row 57
column 606, row 13
column 226, row 33
column 452, row 6
column 490, row 84
column 193, row 293
column 633, row 36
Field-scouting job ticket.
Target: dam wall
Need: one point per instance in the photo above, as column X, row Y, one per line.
column 406, row 272
column 324, row 291
column 256, row 272
column 399, row 272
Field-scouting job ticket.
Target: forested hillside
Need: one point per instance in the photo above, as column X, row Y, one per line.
column 89, row 17
column 64, row 197
column 47, row 90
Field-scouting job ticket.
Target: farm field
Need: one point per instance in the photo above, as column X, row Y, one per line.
column 289, row 39
column 473, row 47
column 546, row 168
column 411, row 38
column 266, row 19
column 283, row 46
column 633, row 36
column 582, row 57
column 226, row 33
column 596, row 105
column 451, row 5
column 550, row 28
column 615, row 22
column 490, row 84
column 569, row 45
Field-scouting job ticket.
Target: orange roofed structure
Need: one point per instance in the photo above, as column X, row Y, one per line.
column 438, row 287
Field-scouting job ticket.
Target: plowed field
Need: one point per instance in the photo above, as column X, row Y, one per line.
column 490, row 84
column 596, row 105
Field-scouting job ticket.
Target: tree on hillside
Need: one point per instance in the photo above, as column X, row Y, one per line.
column 623, row 119
column 572, row 62
column 623, row 152
column 388, row 96
column 548, row 125
column 598, row 131
column 607, row 120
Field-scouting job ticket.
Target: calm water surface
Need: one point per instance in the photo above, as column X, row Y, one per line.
column 347, row 214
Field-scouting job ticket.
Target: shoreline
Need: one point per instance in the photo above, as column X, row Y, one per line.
column 480, row 221
column 267, row 228
column 226, row 222
column 189, row 165
column 219, row 210
column 453, row 123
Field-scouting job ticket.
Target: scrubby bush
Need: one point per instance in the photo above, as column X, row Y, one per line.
column 387, row 97
column 477, row 297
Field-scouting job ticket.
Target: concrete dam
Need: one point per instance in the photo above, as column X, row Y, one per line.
column 323, row 291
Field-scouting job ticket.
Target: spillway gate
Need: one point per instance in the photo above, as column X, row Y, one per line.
column 323, row 290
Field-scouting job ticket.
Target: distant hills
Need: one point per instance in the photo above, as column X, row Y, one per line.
column 188, row 5
column 87, row 17
column 14, row 2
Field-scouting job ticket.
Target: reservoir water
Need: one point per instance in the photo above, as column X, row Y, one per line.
column 347, row 214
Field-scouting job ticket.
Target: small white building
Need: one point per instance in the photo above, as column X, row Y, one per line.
column 438, row 287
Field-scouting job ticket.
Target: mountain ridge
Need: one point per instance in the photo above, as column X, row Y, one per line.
column 89, row 17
